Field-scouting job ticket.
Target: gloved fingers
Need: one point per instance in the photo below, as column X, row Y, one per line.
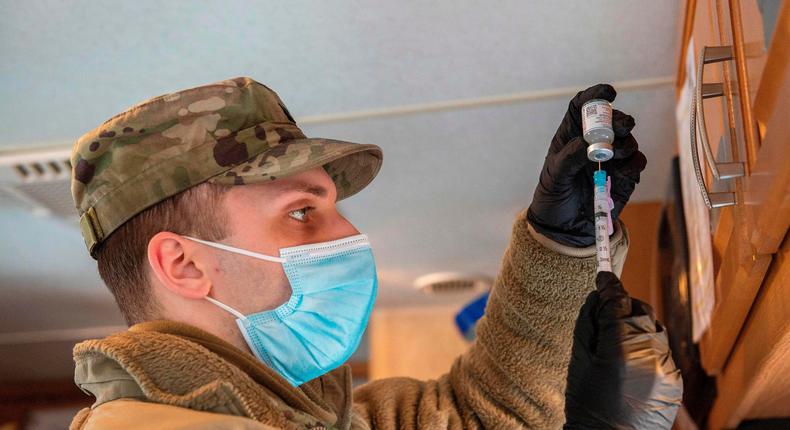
column 618, row 208
column 648, row 356
column 584, row 331
column 588, row 204
column 638, row 337
column 598, row 91
column 642, row 321
column 568, row 162
column 622, row 189
column 662, row 345
column 608, row 284
column 629, row 167
column 614, row 301
column 641, row 308
column 571, row 125
column 625, row 174
column 614, row 309
column 622, row 123
column 625, row 147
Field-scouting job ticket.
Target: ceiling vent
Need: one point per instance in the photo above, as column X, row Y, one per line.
column 37, row 179
column 443, row 283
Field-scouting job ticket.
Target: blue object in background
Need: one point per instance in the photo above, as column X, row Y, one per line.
column 466, row 319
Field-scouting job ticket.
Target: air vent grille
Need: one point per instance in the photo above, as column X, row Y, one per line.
column 444, row 283
column 43, row 170
column 55, row 196
column 37, row 179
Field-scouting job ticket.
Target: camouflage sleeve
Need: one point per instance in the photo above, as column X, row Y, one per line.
column 514, row 375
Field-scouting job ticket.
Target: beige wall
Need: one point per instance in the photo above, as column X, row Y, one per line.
column 419, row 342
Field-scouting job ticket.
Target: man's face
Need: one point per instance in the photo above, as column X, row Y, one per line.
column 265, row 217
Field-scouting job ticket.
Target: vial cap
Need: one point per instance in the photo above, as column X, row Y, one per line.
column 600, row 152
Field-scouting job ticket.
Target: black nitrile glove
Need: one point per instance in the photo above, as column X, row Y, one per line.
column 562, row 207
column 621, row 374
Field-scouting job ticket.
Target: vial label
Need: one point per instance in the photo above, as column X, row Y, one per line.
column 596, row 114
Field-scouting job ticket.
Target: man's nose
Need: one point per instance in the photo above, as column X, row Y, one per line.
column 343, row 227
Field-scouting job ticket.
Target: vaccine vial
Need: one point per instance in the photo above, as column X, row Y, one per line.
column 597, row 129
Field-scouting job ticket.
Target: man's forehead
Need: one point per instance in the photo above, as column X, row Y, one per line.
column 276, row 193
column 284, row 187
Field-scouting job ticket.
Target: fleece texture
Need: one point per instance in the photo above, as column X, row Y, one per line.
column 165, row 374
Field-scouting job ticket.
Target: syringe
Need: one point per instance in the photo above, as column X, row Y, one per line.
column 601, row 204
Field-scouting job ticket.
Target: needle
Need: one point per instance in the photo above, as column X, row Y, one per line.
column 599, row 165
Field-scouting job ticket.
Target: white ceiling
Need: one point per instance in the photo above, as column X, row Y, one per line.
column 452, row 181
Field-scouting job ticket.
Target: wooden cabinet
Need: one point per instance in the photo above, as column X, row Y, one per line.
column 755, row 384
column 743, row 78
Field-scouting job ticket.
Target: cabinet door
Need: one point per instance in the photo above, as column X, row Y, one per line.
column 755, row 383
column 768, row 185
column 747, row 233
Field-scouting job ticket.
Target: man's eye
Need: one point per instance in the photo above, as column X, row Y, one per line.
column 299, row 214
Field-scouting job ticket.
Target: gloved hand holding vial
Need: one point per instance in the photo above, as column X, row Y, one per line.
column 562, row 207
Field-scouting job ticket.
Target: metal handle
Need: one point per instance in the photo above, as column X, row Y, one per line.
column 727, row 170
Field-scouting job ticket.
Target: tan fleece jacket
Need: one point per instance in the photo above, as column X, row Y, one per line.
column 170, row 375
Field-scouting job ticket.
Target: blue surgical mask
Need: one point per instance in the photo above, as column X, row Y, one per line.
column 333, row 289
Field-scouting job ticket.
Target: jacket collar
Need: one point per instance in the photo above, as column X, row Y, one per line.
column 178, row 364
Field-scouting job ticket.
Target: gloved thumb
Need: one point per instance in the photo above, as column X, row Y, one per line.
column 614, row 301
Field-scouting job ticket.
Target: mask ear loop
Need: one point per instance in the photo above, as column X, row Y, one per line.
column 229, row 248
column 235, row 313
column 238, row 250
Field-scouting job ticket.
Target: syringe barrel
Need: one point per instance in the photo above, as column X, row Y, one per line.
column 601, row 205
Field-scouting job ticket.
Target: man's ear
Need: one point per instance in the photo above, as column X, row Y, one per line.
column 180, row 265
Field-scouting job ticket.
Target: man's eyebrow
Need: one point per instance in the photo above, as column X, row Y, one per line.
column 304, row 187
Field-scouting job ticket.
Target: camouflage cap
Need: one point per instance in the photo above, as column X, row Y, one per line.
column 232, row 132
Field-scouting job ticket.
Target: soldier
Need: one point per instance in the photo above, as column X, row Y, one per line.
column 213, row 221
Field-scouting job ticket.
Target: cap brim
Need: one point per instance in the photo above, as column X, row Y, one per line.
column 352, row 166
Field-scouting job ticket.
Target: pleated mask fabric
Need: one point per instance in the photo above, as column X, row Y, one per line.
column 334, row 286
